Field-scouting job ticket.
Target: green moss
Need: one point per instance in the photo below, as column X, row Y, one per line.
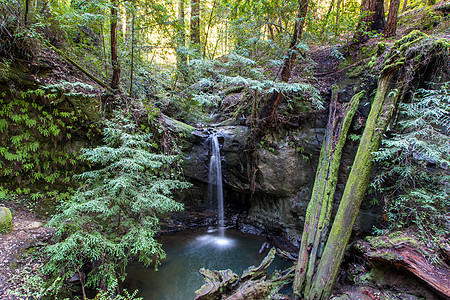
column 356, row 71
column 381, row 47
column 5, row 220
column 394, row 239
column 430, row 19
column 177, row 126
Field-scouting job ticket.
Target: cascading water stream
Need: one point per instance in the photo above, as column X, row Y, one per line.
column 215, row 189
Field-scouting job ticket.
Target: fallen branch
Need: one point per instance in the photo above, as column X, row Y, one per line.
column 68, row 59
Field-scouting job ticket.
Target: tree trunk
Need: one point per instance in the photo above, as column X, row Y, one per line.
column 372, row 20
column 338, row 11
column 195, row 24
column 25, row 14
column 319, row 209
column 181, row 41
column 114, row 59
column 267, row 114
column 327, row 15
column 208, row 28
column 133, row 15
column 391, row 24
column 379, row 117
column 405, row 4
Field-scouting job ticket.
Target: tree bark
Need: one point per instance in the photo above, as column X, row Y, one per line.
column 391, row 24
column 319, row 209
column 405, row 252
column 379, row 117
column 195, row 24
column 372, row 19
column 267, row 115
column 114, row 59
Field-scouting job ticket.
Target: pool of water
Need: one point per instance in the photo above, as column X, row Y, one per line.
column 178, row 277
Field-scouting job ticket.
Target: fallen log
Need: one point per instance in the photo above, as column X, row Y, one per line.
column 404, row 251
column 253, row 285
column 216, row 283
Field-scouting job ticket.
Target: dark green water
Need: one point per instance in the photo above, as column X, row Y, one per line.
column 187, row 252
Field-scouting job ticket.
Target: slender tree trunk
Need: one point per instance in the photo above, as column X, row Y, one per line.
column 372, row 20
column 208, row 28
column 114, row 59
column 25, row 14
column 195, row 24
column 133, row 15
column 180, row 42
column 267, row 114
column 391, row 24
column 405, row 4
column 379, row 117
column 337, row 21
column 319, row 209
column 327, row 15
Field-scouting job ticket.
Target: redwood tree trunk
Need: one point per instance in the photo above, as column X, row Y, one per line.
column 391, row 24
column 379, row 117
column 372, row 20
column 114, row 59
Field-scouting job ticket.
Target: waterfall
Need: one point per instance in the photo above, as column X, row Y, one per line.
column 215, row 190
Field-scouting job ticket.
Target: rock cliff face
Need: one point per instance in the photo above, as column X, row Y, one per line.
column 285, row 172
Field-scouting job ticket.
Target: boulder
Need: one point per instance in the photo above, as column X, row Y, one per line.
column 5, row 220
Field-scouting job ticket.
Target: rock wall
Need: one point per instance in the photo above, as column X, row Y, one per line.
column 285, row 173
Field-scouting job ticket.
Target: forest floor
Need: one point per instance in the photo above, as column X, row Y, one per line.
column 17, row 262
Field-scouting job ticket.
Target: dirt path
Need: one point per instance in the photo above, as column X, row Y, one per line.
column 15, row 265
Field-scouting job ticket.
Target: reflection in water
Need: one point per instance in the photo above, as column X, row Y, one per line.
column 187, row 252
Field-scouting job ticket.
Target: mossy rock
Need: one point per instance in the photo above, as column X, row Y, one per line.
column 5, row 220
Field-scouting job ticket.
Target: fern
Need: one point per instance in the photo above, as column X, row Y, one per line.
column 415, row 165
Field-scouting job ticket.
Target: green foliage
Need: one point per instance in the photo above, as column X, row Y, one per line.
column 415, row 166
column 214, row 78
column 35, row 153
column 114, row 216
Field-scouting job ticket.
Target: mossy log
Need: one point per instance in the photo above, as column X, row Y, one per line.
column 216, row 283
column 379, row 117
column 406, row 252
column 261, row 270
column 318, row 213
